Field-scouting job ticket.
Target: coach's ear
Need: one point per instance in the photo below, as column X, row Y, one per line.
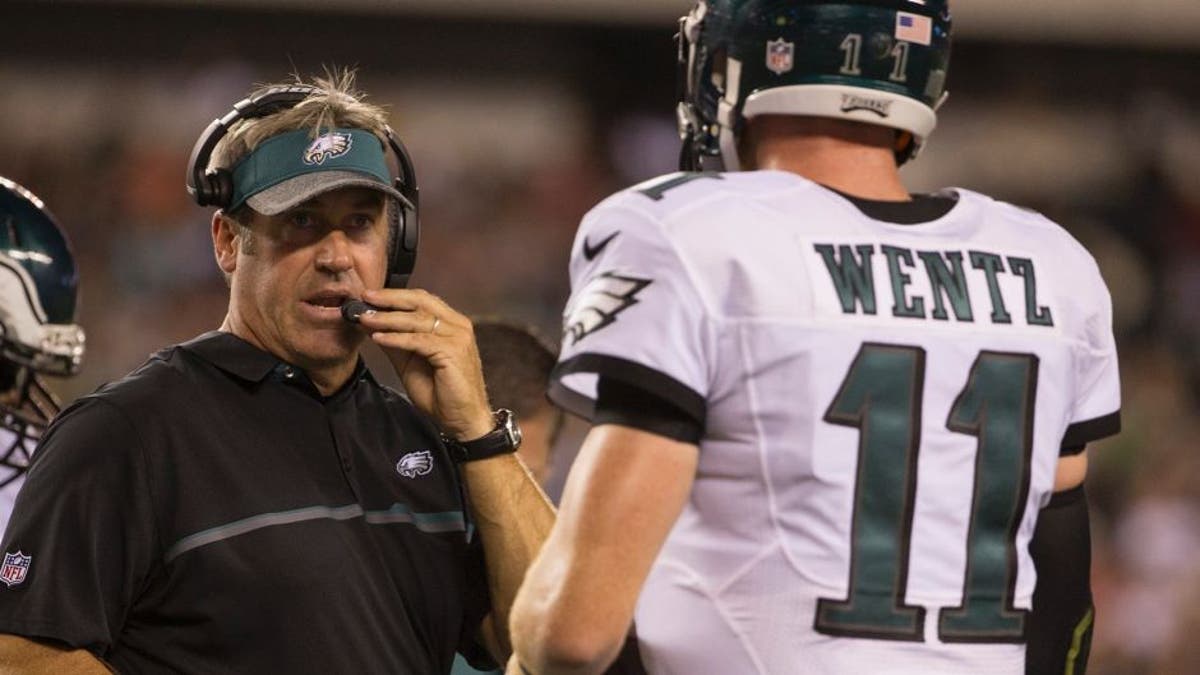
column 227, row 240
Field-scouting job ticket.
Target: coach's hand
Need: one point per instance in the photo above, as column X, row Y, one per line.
column 432, row 347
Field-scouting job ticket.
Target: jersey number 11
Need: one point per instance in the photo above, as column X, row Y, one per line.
column 881, row 397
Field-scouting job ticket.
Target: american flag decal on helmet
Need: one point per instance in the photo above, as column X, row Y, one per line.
column 599, row 303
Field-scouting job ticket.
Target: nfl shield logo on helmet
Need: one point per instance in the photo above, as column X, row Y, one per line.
column 15, row 567
column 328, row 146
column 781, row 56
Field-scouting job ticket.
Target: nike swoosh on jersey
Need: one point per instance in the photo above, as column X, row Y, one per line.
column 590, row 252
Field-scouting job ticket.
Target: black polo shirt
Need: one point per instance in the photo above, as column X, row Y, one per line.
column 213, row 513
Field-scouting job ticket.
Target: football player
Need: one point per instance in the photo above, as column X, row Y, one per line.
column 38, row 334
column 839, row 427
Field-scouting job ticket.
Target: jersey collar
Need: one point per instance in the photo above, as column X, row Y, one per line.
column 243, row 360
column 920, row 210
column 232, row 355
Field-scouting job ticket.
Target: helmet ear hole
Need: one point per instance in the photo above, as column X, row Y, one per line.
column 720, row 61
column 906, row 147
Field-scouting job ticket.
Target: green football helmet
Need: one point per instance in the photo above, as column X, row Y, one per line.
column 879, row 62
column 38, row 287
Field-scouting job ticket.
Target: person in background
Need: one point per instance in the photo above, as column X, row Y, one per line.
column 253, row 500
column 39, row 290
column 516, row 367
column 838, row 427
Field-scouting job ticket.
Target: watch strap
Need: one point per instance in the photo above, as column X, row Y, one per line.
column 503, row 439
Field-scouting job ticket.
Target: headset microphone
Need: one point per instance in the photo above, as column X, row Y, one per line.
column 352, row 310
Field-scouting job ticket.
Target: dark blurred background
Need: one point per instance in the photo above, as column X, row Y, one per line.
column 521, row 114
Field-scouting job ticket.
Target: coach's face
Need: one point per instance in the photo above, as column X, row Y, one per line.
column 290, row 275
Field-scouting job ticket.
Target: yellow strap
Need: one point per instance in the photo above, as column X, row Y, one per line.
column 1081, row 629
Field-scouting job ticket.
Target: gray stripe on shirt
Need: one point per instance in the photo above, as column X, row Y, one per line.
column 446, row 521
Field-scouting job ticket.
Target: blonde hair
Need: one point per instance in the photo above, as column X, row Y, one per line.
column 335, row 103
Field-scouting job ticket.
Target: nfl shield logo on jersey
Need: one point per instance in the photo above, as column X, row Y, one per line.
column 415, row 464
column 781, row 56
column 15, row 567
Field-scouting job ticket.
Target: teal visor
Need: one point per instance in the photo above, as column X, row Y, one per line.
column 287, row 170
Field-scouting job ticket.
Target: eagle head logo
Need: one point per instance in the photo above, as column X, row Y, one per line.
column 599, row 302
column 415, row 464
column 327, row 146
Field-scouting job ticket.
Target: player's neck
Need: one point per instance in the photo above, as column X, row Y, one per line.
column 856, row 159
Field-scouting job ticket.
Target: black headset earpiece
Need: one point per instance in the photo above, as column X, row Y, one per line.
column 402, row 258
column 215, row 188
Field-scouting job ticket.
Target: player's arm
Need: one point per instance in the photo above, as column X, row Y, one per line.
column 23, row 656
column 1071, row 471
column 1060, row 624
column 626, row 489
column 513, row 518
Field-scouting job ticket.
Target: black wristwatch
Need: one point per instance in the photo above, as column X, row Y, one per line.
column 504, row 438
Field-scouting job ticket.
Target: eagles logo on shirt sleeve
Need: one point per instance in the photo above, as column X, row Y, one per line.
column 599, row 302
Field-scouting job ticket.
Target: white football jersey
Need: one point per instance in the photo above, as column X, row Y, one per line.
column 883, row 409
column 15, row 453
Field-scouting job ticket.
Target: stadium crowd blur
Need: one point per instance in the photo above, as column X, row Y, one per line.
column 509, row 158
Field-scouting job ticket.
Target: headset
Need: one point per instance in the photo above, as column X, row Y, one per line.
column 215, row 187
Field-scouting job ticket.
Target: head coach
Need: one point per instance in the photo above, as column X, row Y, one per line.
column 252, row 500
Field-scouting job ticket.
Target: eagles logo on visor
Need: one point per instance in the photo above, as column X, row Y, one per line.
column 292, row 167
column 328, row 146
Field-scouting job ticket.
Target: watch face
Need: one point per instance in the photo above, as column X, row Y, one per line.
column 509, row 421
column 504, row 438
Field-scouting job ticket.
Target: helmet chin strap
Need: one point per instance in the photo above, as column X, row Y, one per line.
column 729, row 149
column 727, row 115
column 689, row 152
column 687, row 118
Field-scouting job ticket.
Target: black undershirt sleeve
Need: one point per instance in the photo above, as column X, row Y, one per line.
column 1060, row 625
column 627, row 405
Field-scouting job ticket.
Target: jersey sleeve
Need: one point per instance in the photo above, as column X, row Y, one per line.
column 82, row 539
column 620, row 403
column 1097, row 410
column 634, row 316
